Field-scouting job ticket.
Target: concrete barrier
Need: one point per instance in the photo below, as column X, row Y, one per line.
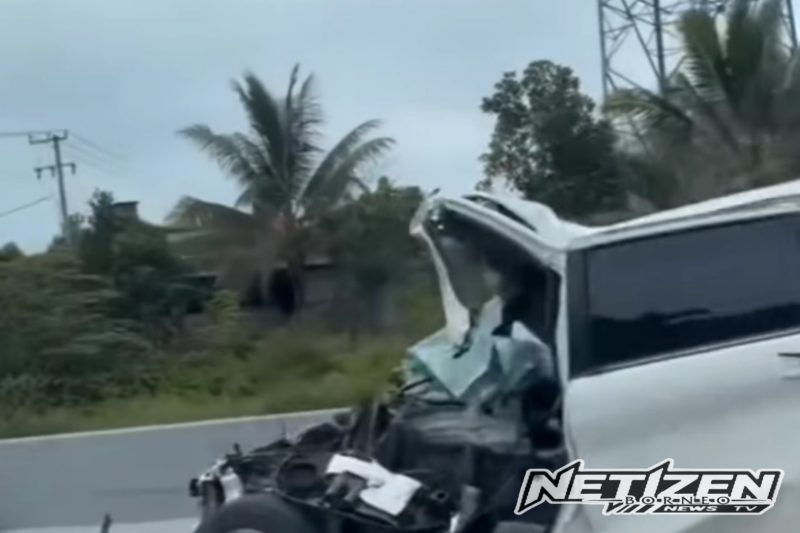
column 136, row 475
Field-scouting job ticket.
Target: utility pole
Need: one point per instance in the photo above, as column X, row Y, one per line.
column 57, row 169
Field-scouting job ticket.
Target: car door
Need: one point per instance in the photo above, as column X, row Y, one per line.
column 676, row 343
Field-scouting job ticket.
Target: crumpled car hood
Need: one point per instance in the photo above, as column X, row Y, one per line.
column 488, row 366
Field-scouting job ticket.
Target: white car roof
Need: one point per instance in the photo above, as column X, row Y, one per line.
column 563, row 234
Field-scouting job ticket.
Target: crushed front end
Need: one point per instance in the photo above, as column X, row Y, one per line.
column 446, row 452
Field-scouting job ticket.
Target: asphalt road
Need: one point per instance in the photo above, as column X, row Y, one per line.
column 136, row 475
column 168, row 526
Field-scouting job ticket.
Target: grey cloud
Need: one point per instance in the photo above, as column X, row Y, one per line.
column 129, row 73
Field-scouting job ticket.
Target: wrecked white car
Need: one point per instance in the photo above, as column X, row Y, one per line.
column 669, row 336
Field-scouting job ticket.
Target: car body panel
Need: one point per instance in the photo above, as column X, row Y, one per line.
column 734, row 406
column 721, row 409
column 564, row 235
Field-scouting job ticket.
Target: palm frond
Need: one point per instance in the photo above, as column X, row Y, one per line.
column 265, row 116
column 311, row 117
column 654, row 110
column 292, row 82
column 305, row 119
column 337, row 155
column 193, row 213
column 787, row 95
column 292, row 142
column 705, row 62
column 195, row 241
column 708, row 117
column 208, row 233
column 224, row 149
column 265, row 185
column 773, row 69
column 360, row 186
column 343, row 176
column 235, row 244
column 768, row 17
column 752, row 45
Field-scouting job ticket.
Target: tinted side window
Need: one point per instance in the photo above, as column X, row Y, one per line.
column 682, row 291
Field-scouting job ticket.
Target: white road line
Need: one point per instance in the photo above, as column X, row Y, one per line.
column 180, row 425
column 166, row 526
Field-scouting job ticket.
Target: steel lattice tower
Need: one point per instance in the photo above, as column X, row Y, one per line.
column 638, row 41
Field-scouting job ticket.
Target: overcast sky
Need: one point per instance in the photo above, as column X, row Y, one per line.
column 126, row 74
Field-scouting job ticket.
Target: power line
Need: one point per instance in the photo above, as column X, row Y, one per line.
column 96, row 147
column 5, row 134
column 80, row 149
column 90, row 160
column 25, row 206
column 92, row 164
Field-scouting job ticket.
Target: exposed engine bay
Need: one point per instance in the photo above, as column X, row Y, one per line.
column 446, row 451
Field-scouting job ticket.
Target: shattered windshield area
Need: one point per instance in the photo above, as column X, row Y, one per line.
column 468, row 269
column 505, row 293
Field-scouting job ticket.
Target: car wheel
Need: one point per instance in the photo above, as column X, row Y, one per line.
column 210, row 499
column 262, row 513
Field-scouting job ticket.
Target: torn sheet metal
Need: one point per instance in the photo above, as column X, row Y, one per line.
column 457, row 316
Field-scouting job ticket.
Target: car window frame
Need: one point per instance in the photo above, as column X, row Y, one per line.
column 578, row 322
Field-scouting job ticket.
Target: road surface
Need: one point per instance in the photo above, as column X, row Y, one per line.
column 67, row 483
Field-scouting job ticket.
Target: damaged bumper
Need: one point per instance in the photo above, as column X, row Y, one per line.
column 417, row 466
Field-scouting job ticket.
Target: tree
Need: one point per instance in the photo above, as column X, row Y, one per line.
column 728, row 120
column 548, row 144
column 152, row 281
column 95, row 243
column 370, row 243
column 10, row 251
column 287, row 184
column 149, row 277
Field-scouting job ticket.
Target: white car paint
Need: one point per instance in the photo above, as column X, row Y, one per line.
column 725, row 407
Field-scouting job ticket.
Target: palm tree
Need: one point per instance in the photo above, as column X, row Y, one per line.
column 287, row 184
column 727, row 120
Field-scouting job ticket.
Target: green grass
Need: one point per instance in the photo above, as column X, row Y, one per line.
column 285, row 371
column 238, row 373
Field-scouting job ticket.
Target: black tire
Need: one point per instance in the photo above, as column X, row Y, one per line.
column 210, row 499
column 262, row 513
column 518, row 527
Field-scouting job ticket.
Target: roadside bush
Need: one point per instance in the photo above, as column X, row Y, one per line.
column 60, row 340
column 229, row 333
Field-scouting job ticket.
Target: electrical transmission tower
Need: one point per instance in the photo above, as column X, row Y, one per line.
column 639, row 43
